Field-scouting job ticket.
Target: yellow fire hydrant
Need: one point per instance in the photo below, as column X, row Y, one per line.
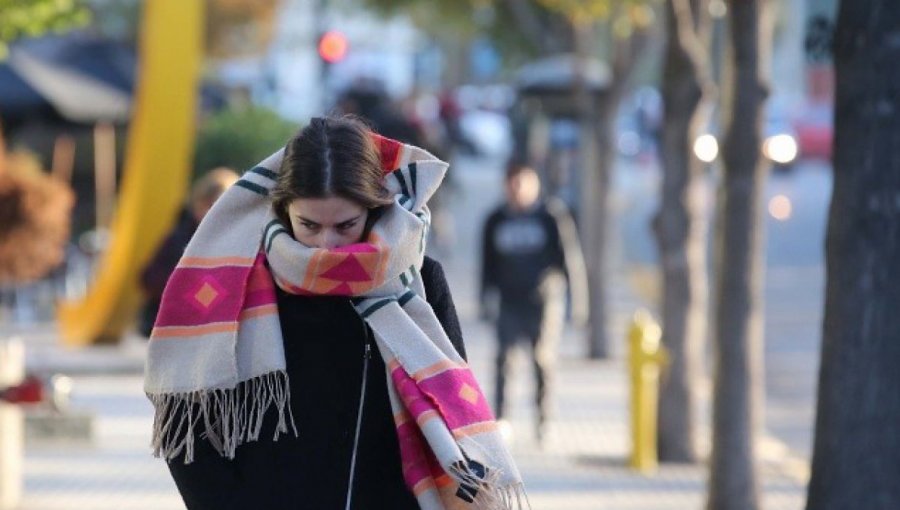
column 646, row 358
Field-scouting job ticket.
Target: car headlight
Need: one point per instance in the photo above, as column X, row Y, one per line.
column 706, row 148
column 781, row 148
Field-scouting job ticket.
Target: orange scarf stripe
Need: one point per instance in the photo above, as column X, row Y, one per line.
column 475, row 429
column 312, row 270
column 425, row 485
column 259, row 311
column 425, row 417
column 437, row 368
column 401, row 418
column 444, row 481
column 206, row 329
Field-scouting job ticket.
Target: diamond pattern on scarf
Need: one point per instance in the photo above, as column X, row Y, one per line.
column 469, row 394
column 447, row 388
column 439, row 393
column 198, row 296
column 208, row 294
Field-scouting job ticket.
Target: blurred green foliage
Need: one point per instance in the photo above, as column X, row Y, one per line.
column 240, row 137
column 523, row 29
column 32, row 18
column 589, row 11
column 459, row 20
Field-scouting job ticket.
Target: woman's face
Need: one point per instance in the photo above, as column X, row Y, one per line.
column 329, row 222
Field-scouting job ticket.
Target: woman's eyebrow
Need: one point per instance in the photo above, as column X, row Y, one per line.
column 306, row 220
column 351, row 220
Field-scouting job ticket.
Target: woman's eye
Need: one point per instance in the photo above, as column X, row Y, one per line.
column 346, row 226
column 310, row 226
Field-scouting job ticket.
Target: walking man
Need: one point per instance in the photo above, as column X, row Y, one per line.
column 530, row 251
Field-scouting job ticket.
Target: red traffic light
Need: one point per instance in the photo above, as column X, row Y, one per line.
column 333, row 46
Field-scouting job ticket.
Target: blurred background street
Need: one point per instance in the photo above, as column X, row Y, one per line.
column 111, row 110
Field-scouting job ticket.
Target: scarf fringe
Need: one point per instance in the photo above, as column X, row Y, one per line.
column 513, row 497
column 488, row 494
column 230, row 417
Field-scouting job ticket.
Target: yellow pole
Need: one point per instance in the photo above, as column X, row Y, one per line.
column 646, row 356
column 157, row 169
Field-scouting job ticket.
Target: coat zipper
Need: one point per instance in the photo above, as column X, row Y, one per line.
column 362, row 400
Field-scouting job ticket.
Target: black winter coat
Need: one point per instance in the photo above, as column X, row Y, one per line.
column 324, row 342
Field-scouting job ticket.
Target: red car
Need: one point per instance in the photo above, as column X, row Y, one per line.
column 814, row 130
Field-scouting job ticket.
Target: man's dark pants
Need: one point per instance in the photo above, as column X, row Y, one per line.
column 539, row 323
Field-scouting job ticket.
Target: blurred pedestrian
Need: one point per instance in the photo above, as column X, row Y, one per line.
column 157, row 271
column 530, row 250
column 451, row 115
column 307, row 353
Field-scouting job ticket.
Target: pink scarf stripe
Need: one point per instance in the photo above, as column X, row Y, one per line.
column 200, row 296
column 418, row 461
column 414, row 400
column 453, row 394
column 260, row 277
column 260, row 286
column 259, row 298
column 458, row 397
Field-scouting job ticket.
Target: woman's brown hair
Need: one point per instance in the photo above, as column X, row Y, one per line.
column 332, row 156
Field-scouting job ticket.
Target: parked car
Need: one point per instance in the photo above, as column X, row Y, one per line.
column 815, row 130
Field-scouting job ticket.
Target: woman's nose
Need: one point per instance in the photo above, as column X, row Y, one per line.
column 330, row 240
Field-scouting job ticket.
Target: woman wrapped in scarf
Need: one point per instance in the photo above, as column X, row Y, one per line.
column 307, row 354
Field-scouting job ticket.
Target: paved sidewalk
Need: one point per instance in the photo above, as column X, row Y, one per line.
column 581, row 466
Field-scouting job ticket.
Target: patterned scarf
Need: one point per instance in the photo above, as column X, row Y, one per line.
column 216, row 354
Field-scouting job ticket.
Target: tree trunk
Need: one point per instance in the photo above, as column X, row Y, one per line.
column 600, row 157
column 738, row 373
column 856, row 456
column 598, row 211
column 594, row 191
column 681, row 230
